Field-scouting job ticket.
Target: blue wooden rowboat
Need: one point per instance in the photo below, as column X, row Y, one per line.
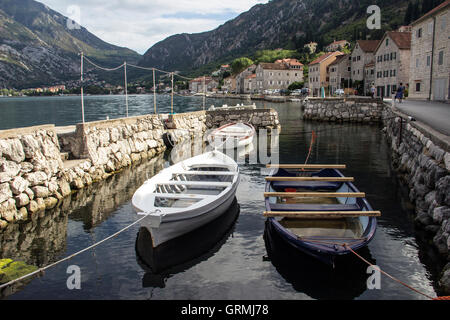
column 320, row 213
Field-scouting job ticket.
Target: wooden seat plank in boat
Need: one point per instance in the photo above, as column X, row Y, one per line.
column 315, row 194
column 307, row 166
column 322, row 179
column 313, row 207
column 322, row 214
column 310, row 185
column 195, row 183
column 181, row 196
column 205, row 173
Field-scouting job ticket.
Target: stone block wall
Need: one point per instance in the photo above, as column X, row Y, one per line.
column 421, row 156
column 344, row 110
column 30, row 168
column 259, row 118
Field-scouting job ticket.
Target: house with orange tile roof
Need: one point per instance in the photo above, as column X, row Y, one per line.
column 430, row 55
column 392, row 62
column 202, row 84
column 336, row 45
column 319, row 72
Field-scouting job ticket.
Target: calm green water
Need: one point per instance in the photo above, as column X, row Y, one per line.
column 232, row 261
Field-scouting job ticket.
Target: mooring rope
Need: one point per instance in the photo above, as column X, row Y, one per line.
column 75, row 254
column 388, row 275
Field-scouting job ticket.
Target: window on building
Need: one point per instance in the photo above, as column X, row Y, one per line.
column 441, row 58
column 417, row 62
column 387, row 42
column 349, row 69
column 372, row 72
column 428, row 61
column 391, row 56
column 443, row 22
column 395, row 55
column 430, row 28
column 419, row 33
column 359, row 58
column 417, row 86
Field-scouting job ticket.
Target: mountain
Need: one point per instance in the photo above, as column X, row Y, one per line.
column 285, row 24
column 37, row 48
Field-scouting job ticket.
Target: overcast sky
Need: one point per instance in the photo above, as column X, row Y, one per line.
column 139, row 24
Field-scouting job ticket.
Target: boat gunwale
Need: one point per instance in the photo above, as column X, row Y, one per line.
column 315, row 248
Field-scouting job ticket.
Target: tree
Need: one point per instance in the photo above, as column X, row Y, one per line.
column 239, row 64
column 296, row 85
column 408, row 14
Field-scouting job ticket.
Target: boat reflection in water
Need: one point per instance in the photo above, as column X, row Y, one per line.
column 348, row 280
column 182, row 253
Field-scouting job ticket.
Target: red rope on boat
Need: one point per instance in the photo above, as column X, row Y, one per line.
column 313, row 139
column 393, row 278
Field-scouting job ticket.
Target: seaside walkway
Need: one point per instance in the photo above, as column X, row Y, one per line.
column 435, row 114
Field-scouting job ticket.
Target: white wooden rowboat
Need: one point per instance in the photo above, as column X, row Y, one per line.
column 187, row 195
column 232, row 135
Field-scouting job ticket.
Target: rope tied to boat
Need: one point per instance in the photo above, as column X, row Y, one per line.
column 41, row 270
column 313, row 139
column 392, row 277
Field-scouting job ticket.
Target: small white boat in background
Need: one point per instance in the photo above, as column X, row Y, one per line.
column 232, row 135
column 187, row 195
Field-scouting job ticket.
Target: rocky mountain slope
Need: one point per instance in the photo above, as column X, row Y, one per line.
column 37, row 48
column 280, row 23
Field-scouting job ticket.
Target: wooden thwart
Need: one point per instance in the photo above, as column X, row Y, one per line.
column 315, row 194
column 322, row 214
column 307, row 166
column 326, row 179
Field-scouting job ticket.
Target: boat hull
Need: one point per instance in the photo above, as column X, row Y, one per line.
column 171, row 229
column 325, row 250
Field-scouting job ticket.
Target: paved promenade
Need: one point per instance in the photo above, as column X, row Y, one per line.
column 434, row 114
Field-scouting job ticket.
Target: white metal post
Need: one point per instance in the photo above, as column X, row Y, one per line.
column 172, row 94
column 204, row 92
column 154, row 90
column 81, row 85
column 126, row 87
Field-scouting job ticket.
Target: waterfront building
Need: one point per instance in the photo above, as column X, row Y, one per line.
column 202, row 84
column 362, row 60
column 319, row 72
column 339, row 72
column 392, row 62
column 229, row 84
column 279, row 75
column 240, row 78
column 430, row 63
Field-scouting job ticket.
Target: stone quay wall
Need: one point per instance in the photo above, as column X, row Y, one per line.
column 421, row 156
column 259, row 118
column 35, row 177
column 344, row 109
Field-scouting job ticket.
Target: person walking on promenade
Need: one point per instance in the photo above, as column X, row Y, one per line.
column 400, row 92
column 372, row 91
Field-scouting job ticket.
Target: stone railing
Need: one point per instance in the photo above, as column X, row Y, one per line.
column 344, row 109
column 421, row 156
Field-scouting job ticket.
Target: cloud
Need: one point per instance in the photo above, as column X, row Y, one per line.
column 139, row 24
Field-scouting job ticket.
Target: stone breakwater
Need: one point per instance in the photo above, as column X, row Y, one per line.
column 421, row 156
column 35, row 174
column 343, row 109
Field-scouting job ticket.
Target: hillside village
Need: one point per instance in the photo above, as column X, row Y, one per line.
column 413, row 55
